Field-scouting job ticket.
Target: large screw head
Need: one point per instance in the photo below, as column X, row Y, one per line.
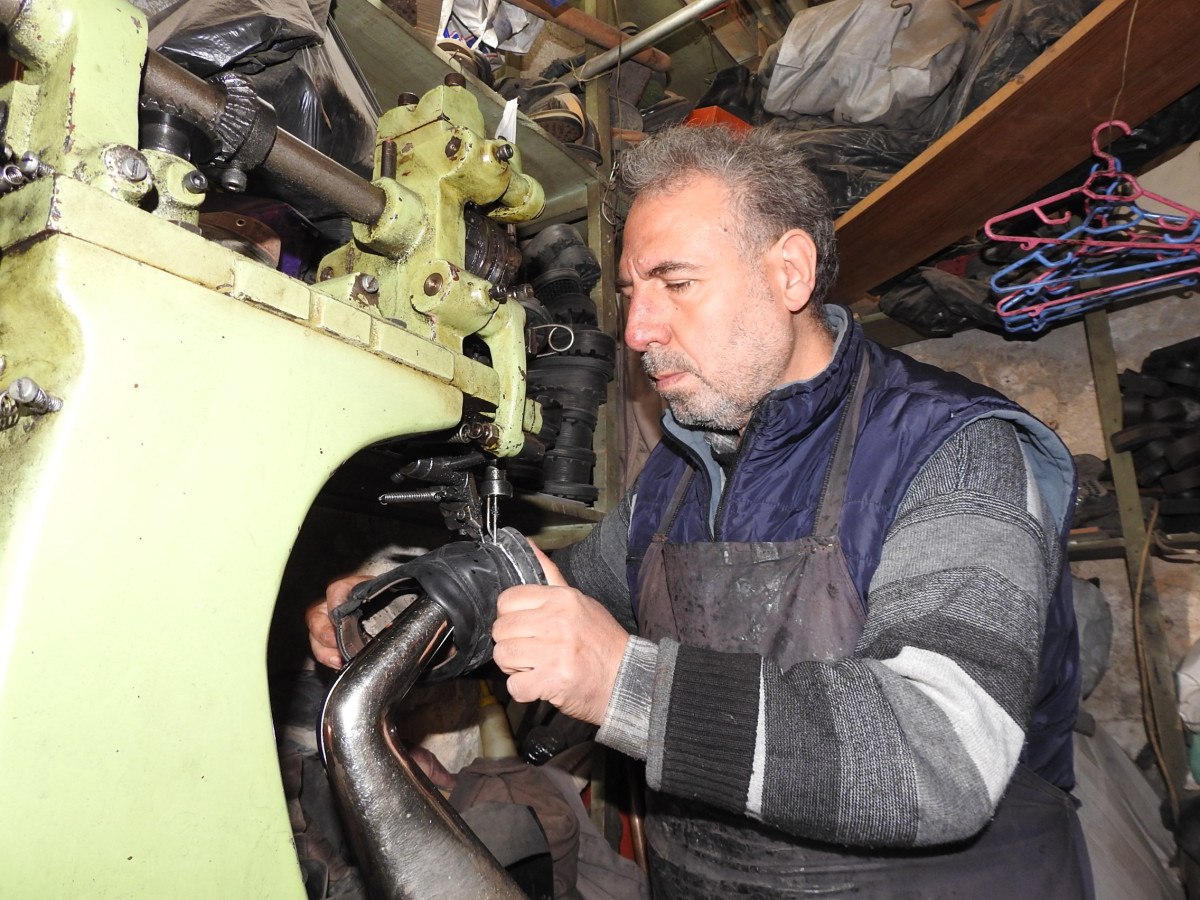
column 195, row 182
column 233, row 180
column 408, row 99
column 504, row 152
column 369, row 283
column 452, row 147
column 134, row 168
column 433, row 284
column 454, row 79
column 11, row 176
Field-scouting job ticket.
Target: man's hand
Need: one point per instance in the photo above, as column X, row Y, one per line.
column 321, row 635
column 557, row 644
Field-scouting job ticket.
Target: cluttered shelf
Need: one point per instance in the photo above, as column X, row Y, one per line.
column 1031, row 131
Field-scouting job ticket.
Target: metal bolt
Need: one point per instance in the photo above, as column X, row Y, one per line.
column 233, row 180
column 408, row 99
column 134, row 168
column 454, row 79
column 326, row 274
column 369, row 283
column 453, row 146
column 504, row 152
column 27, row 392
column 433, row 284
column 32, row 167
column 195, row 182
column 387, row 159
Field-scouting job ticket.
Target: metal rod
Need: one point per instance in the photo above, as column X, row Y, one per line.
column 409, row 841
column 290, row 160
column 645, row 38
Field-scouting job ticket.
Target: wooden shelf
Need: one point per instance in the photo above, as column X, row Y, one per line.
column 1113, row 64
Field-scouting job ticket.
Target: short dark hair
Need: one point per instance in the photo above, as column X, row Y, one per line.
column 771, row 187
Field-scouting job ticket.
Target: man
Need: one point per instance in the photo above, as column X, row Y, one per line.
column 843, row 571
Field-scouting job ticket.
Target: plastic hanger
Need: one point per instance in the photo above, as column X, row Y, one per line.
column 1110, row 194
column 1106, row 247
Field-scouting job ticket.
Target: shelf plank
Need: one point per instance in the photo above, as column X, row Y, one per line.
column 1139, row 53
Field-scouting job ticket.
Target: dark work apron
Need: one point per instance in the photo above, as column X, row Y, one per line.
column 794, row 601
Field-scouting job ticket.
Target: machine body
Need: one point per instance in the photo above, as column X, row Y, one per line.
column 169, row 409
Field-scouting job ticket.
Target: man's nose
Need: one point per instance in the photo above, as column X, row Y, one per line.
column 643, row 325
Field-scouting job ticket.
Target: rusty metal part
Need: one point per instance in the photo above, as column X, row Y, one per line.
column 290, row 159
column 244, row 235
column 387, row 159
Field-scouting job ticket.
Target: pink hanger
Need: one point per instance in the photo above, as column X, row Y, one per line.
column 1106, row 190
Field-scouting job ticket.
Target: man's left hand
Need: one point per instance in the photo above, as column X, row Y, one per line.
column 558, row 644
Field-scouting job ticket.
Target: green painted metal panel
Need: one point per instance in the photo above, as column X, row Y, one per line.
column 144, row 531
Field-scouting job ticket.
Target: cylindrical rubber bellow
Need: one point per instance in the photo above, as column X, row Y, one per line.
column 464, row 578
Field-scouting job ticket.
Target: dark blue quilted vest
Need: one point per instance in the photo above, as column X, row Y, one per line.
column 910, row 410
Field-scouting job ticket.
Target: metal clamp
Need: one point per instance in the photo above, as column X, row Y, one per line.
column 245, row 131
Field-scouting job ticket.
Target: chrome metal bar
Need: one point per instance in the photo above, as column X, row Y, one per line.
column 407, row 838
column 645, row 38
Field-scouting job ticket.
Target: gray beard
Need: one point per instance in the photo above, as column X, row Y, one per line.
column 715, row 411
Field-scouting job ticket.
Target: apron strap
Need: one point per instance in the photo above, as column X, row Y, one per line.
column 672, row 510
column 833, row 491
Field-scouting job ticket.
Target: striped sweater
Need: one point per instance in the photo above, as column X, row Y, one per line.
column 908, row 742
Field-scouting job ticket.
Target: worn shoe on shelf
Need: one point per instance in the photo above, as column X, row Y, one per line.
column 561, row 115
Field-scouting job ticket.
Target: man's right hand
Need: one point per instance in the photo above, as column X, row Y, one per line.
column 321, row 635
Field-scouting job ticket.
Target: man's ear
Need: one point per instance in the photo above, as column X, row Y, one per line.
column 797, row 257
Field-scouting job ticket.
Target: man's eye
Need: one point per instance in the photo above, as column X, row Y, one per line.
column 676, row 287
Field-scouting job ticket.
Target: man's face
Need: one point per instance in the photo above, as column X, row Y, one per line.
column 714, row 338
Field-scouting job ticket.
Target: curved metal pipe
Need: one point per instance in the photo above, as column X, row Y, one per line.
column 406, row 837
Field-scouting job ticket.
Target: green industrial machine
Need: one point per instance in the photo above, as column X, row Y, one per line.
column 166, row 403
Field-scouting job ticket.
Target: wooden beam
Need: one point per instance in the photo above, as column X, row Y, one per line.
column 1138, row 54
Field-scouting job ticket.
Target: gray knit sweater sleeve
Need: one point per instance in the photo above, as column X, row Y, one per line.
column 596, row 565
column 910, row 741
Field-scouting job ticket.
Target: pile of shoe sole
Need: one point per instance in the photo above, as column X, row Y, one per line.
column 573, row 360
column 1161, row 419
